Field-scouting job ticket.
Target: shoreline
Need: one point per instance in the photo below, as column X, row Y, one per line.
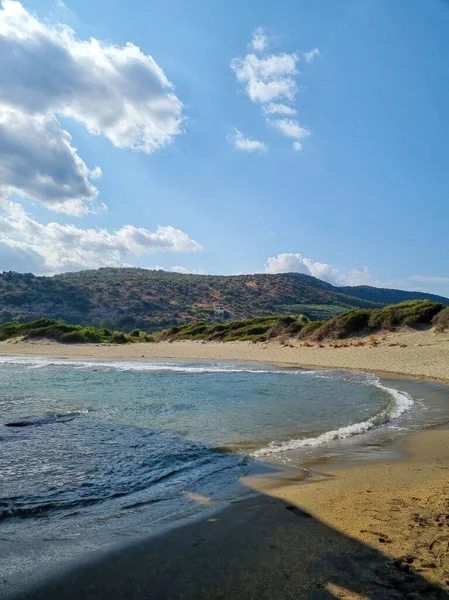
column 378, row 530
column 369, row 529
column 411, row 354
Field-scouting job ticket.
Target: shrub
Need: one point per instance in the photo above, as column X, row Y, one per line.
column 441, row 321
column 309, row 328
column 118, row 338
column 72, row 337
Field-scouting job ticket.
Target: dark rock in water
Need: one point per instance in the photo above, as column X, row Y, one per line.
column 44, row 420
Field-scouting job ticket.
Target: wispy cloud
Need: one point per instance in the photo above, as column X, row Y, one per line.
column 309, row 56
column 270, row 80
column 273, row 108
column 291, row 129
column 246, row 144
column 259, row 41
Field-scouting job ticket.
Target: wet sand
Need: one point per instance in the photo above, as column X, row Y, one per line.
column 376, row 531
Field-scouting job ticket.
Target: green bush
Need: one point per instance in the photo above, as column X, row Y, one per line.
column 309, row 328
column 411, row 313
column 72, row 337
column 118, row 338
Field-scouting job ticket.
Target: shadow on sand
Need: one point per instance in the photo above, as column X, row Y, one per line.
column 257, row 548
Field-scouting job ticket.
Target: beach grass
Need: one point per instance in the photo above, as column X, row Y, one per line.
column 69, row 334
column 357, row 322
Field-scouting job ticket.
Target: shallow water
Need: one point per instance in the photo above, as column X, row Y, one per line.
column 97, row 450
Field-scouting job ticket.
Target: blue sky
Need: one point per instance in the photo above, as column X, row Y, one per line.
column 364, row 199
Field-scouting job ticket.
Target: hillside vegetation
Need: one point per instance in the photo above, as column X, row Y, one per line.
column 126, row 299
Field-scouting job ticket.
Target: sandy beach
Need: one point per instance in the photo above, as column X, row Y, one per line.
column 378, row 531
column 419, row 354
column 369, row 531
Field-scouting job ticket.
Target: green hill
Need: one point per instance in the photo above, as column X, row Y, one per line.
column 125, row 299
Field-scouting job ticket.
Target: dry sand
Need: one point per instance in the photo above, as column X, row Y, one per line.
column 422, row 354
column 373, row 531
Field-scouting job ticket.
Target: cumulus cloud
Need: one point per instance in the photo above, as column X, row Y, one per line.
column 259, row 41
column 54, row 247
column 48, row 72
column 270, row 81
column 37, row 160
column 297, row 146
column 296, row 263
column 267, row 79
column 119, row 92
column 185, row 270
column 246, row 144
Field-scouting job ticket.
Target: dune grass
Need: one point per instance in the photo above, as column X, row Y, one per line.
column 256, row 329
column 69, row 334
column 411, row 313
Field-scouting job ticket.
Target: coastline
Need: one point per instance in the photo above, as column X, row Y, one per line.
column 377, row 529
column 370, row 531
column 411, row 354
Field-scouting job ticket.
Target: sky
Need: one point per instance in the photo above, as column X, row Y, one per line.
column 227, row 137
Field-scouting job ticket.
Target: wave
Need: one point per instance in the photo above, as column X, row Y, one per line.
column 136, row 365
column 402, row 402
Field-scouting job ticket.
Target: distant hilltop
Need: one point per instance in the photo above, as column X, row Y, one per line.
column 128, row 298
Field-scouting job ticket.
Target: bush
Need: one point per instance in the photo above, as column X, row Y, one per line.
column 118, row 338
column 441, row 321
column 72, row 337
column 411, row 313
column 309, row 328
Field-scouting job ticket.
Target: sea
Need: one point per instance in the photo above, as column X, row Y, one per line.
column 99, row 452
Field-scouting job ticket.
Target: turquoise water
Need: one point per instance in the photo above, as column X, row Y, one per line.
column 93, row 451
column 103, row 437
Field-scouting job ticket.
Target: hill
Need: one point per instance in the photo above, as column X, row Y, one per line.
column 124, row 299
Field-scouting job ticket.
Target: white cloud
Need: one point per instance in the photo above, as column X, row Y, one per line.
column 119, row 92
column 291, row 128
column 273, row 108
column 37, row 160
column 245, row 144
column 296, row 263
column 309, row 56
column 184, row 270
column 47, row 72
column 53, row 247
column 297, row 146
column 270, row 81
column 267, row 79
column 286, row 263
column 259, row 41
